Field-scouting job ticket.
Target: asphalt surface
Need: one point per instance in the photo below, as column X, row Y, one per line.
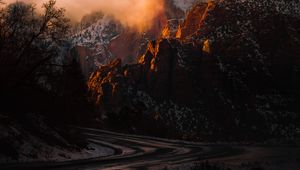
column 141, row 152
column 133, row 152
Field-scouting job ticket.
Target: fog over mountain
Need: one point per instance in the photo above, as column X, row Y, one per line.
column 132, row 13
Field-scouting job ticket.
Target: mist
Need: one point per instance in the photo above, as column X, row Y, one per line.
column 138, row 14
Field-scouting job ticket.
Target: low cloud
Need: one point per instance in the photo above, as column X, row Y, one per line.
column 138, row 14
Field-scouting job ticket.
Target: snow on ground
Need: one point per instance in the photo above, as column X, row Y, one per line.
column 35, row 150
column 19, row 144
column 51, row 153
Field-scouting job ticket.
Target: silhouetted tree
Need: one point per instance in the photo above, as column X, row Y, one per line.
column 35, row 73
column 32, row 59
column 29, row 42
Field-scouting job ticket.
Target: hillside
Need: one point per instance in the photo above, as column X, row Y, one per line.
column 233, row 72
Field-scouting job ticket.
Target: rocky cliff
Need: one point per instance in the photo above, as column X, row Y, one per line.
column 234, row 65
column 105, row 38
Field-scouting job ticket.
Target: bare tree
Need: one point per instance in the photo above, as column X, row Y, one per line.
column 29, row 41
column 33, row 72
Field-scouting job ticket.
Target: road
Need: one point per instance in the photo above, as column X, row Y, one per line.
column 140, row 152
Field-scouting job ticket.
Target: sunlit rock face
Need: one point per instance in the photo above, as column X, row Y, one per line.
column 196, row 18
column 108, row 38
column 236, row 60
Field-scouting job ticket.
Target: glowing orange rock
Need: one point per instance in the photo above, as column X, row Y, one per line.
column 178, row 33
column 165, row 32
column 206, row 46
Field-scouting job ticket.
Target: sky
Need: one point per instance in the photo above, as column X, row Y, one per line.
column 132, row 13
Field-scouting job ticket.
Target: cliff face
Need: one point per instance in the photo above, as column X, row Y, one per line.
column 130, row 44
column 107, row 39
column 236, row 64
column 196, row 18
column 168, row 67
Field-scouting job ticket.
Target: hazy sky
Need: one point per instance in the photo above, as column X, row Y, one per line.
column 133, row 13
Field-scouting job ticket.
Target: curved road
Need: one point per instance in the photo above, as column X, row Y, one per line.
column 140, row 152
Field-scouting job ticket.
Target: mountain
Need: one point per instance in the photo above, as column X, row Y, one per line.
column 103, row 38
column 231, row 70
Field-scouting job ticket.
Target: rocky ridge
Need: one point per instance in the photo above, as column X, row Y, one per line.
column 228, row 72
